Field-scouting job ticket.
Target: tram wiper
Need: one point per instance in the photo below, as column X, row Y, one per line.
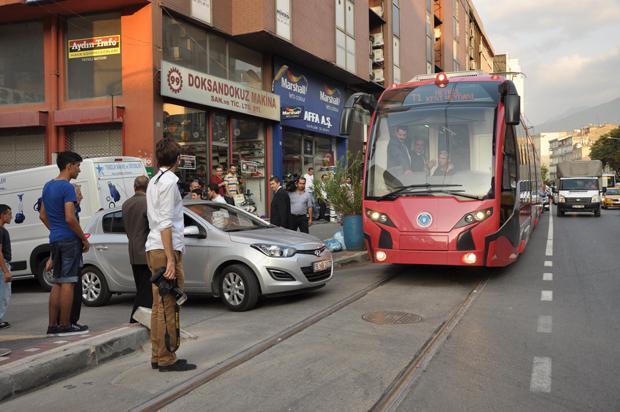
column 403, row 189
column 458, row 193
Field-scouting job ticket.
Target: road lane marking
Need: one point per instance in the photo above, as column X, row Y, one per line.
column 60, row 342
column 32, row 350
column 546, row 295
column 548, row 263
column 541, row 375
column 549, row 248
column 3, row 358
column 545, row 324
column 548, row 276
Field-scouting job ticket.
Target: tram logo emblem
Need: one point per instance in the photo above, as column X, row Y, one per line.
column 175, row 80
column 424, row 219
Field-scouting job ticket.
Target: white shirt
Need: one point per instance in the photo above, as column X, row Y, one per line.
column 309, row 182
column 219, row 199
column 164, row 208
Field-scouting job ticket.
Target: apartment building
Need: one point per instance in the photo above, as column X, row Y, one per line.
column 255, row 83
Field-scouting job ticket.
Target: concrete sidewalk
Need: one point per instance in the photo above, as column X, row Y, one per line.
column 60, row 358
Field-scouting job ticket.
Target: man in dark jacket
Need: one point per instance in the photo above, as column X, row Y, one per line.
column 137, row 228
column 280, row 204
column 398, row 158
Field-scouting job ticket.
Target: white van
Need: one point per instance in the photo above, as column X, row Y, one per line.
column 106, row 182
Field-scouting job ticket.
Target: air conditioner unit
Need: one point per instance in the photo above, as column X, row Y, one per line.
column 377, row 39
column 377, row 75
column 377, row 55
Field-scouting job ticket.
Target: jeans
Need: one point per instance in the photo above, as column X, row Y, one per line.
column 5, row 295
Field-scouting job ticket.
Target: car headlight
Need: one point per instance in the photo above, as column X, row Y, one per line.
column 595, row 199
column 379, row 217
column 562, row 199
column 275, row 250
column 474, row 217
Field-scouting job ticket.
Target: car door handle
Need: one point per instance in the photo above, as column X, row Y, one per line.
column 101, row 247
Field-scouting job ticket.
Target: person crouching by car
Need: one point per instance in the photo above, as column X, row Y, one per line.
column 164, row 249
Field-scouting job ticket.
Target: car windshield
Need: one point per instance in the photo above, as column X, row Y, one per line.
column 613, row 191
column 227, row 218
column 436, row 150
column 579, row 184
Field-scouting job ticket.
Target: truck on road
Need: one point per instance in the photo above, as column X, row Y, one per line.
column 579, row 184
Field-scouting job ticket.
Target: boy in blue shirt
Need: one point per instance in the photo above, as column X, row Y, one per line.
column 67, row 242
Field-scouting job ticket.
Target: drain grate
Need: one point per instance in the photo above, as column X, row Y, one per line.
column 386, row 317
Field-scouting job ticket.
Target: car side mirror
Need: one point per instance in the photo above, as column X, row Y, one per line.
column 193, row 231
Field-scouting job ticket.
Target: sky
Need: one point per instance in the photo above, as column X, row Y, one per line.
column 569, row 50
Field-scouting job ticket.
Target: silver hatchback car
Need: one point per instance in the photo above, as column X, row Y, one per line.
column 229, row 253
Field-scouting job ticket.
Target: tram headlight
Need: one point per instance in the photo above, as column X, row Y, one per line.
column 595, row 199
column 475, row 217
column 379, row 217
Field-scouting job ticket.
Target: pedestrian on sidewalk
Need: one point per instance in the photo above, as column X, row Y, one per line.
column 280, row 204
column 67, row 243
column 218, row 179
column 136, row 224
column 322, row 199
column 301, row 207
column 76, row 306
column 232, row 182
column 164, row 249
column 5, row 267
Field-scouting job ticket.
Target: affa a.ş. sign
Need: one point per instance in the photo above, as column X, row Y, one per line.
column 193, row 86
column 308, row 101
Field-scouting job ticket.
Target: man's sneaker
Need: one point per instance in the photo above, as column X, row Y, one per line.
column 70, row 330
column 178, row 366
column 52, row 330
column 80, row 327
column 4, row 324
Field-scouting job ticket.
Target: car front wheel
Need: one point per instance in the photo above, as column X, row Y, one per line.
column 239, row 288
column 95, row 291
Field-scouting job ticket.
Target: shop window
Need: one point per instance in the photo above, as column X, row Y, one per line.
column 244, row 66
column 185, row 44
column 220, row 144
column 248, row 154
column 21, row 63
column 291, row 154
column 189, row 127
column 218, row 63
column 94, row 56
column 192, row 47
column 21, row 149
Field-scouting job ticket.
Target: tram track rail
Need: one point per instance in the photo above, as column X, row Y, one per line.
column 394, row 394
column 170, row 395
column 400, row 387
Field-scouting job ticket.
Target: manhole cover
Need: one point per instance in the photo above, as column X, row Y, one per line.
column 386, row 317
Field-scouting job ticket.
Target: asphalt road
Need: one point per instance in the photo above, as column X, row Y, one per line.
column 515, row 351
column 536, row 337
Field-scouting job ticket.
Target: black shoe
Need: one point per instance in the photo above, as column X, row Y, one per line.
column 80, row 327
column 178, row 367
column 4, row 325
column 70, row 330
column 154, row 365
column 52, row 330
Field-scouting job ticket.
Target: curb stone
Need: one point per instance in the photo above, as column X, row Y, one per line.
column 356, row 256
column 48, row 367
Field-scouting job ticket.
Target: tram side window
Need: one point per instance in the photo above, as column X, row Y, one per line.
column 509, row 175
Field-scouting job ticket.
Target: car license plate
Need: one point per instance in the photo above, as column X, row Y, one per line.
column 578, row 206
column 322, row 265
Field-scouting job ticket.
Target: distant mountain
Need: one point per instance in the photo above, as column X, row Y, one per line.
column 604, row 113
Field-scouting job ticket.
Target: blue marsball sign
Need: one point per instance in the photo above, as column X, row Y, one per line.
column 308, row 101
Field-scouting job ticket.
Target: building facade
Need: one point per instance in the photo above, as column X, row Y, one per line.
column 259, row 84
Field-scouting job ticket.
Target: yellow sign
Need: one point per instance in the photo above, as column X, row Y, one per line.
column 94, row 46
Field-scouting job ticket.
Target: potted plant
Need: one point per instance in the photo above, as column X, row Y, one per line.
column 343, row 189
